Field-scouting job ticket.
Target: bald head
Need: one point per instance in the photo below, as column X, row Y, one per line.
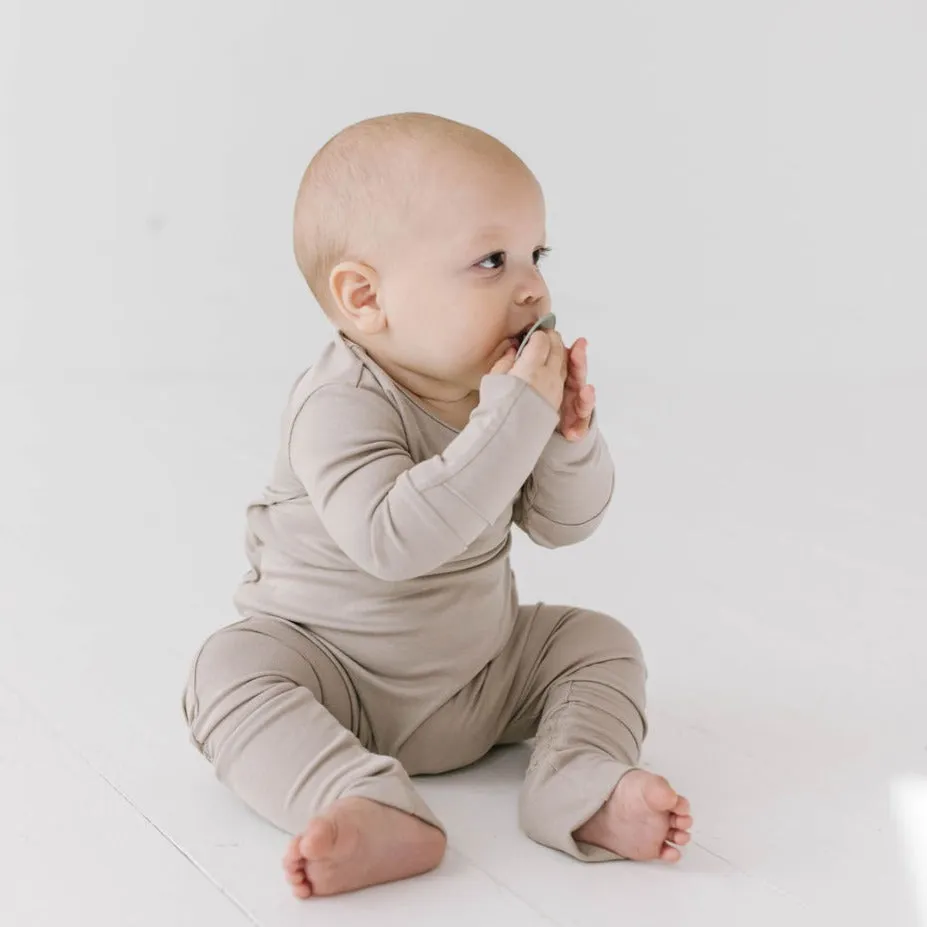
column 363, row 186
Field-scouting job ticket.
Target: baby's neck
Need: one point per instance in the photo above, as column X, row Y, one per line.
column 452, row 403
column 449, row 402
column 455, row 413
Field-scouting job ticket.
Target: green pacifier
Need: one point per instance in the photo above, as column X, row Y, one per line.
column 547, row 321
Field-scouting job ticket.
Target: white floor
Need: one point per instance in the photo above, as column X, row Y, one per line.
column 768, row 543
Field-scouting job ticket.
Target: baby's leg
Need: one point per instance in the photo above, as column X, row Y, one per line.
column 277, row 717
column 582, row 793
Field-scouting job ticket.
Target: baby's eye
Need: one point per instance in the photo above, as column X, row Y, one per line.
column 497, row 256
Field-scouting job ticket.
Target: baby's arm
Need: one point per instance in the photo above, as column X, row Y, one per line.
column 396, row 519
column 567, row 494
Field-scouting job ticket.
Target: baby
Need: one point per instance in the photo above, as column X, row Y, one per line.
column 382, row 633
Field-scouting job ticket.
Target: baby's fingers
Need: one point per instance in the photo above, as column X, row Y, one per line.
column 579, row 367
column 578, row 419
column 505, row 363
column 558, row 357
column 585, row 401
column 535, row 352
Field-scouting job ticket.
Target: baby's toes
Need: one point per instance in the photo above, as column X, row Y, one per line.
column 681, row 821
column 294, row 870
column 296, row 876
column 292, row 858
column 299, row 883
column 670, row 854
column 302, row 891
column 680, row 837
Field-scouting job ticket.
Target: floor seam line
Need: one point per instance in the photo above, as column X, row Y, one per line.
column 69, row 746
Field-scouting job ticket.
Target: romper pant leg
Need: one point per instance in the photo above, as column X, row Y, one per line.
column 573, row 677
column 270, row 707
column 579, row 687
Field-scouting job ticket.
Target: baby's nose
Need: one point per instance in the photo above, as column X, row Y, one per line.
column 532, row 290
column 532, row 294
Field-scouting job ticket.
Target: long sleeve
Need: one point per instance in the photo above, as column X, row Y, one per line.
column 567, row 494
column 397, row 519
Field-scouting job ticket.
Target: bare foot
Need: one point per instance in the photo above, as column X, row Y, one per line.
column 357, row 843
column 641, row 819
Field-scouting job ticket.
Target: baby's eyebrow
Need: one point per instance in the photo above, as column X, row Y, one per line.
column 490, row 234
column 486, row 234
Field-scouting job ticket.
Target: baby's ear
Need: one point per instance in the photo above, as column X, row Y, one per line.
column 354, row 289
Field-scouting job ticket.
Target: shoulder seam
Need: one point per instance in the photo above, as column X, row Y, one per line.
column 355, row 385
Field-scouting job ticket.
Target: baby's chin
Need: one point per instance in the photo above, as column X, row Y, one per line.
column 490, row 360
column 469, row 370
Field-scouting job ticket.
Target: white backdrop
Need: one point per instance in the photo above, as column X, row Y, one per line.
column 737, row 195
column 732, row 187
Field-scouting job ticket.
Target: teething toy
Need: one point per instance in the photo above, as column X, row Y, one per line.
column 546, row 321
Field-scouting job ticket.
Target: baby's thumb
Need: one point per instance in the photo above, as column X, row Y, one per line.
column 505, row 363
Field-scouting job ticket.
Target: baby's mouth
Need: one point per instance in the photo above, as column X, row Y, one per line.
column 518, row 338
column 547, row 321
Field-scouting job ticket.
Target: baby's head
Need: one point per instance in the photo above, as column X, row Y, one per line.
column 420, row 238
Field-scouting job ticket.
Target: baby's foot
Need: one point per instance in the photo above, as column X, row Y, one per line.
column 641, row 819
column 357, row 843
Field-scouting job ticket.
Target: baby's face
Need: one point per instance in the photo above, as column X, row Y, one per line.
column 465, row 278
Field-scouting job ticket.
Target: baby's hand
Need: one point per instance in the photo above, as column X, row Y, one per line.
column 543, row 364
column 578, row 396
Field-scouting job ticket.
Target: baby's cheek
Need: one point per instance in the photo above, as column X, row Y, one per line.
column 458, row 352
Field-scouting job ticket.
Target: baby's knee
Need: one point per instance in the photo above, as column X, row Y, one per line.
column 217, row 667
column 234, row 671
column 607, row 637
